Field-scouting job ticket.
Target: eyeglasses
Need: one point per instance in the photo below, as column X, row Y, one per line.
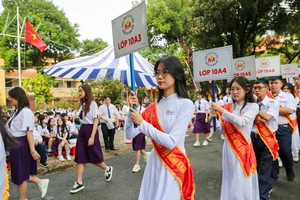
column 162, row 73
column 258, row 88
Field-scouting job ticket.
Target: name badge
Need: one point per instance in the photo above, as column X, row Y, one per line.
column 170, row 112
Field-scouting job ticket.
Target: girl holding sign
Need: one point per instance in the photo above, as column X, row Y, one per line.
column 168, row 173
column 239, row 179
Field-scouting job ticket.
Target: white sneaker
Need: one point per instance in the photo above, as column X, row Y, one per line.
column 295, row 158
column 197, row 144
column 205, row 143
column 136, row 169
column 43, row 186
column 279, row 162
column 69, row 157
column 222, row 137
column 146, row 156
column 61, row 158
column 209, row 139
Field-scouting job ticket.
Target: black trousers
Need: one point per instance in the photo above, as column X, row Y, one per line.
column 284, row 138
column 41, row 149
column 264, row 161
column 108, row 136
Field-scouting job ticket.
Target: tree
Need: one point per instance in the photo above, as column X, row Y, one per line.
column 40, row 86
column 204, row 24
column 105, row 87
column 54, row 28
column 90, row 47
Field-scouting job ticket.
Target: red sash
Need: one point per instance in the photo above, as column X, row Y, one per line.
column 174, row 160
column 291, row 122
column 267, row 136
column 239, row 144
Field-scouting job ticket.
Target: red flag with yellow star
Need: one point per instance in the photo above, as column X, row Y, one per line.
column 33, row 38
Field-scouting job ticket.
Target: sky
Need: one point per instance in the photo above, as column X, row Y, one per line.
column 93, row 16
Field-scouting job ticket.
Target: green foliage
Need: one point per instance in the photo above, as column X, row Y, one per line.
column 90, row 47
column 40, row 85
column 105, row 87
column 54, row 29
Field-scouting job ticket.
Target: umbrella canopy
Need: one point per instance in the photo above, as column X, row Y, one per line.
column 104, row 65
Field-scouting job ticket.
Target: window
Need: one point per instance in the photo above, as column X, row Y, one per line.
column 8, row 82
column 69, row 84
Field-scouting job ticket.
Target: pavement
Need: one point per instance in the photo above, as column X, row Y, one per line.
column 125, row 185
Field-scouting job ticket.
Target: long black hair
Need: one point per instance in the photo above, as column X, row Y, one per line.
column 290, row 87
column 8, row 140
column 40, row 120
column 174, row 66
column 88, row 98
column 49, row 126
column 63, row 127
column 245, row 84
column 19, row 94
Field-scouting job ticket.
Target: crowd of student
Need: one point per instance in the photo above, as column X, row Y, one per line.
column 258, row 122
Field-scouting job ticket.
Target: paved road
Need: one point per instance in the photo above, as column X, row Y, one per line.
column 125, row 185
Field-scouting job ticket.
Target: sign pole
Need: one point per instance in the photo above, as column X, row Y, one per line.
column 132, row 76
column 214, row 100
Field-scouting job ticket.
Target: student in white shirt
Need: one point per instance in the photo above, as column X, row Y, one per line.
column 108, row 115
column 38, row 144
column 165, row 122
column 21, row 126
column 284, row 131
column 264, row 141
column 289, row 88
column 239, row 177
column 88, row 147
column 202, row 124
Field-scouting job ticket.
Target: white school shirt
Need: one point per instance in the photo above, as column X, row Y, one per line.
column 204, row 106
column 37, row 136
column 227, row 99
column 2, row 166
column 21, row 123
column 129, row 135
column 220, row 102
column 175, row 114
column 285, row 100
column 47, row 131
column 103, row 111
column 270, row 107
column 235, row 185
column 91, row 115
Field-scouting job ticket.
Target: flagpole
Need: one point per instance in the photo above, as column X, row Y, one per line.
column 19, row 51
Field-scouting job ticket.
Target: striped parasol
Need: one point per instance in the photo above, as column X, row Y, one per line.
column 103, row 65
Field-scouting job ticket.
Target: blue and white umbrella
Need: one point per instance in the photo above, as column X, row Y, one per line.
column 104, row 65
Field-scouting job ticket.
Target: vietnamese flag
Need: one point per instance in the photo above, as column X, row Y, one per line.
column 33, row 38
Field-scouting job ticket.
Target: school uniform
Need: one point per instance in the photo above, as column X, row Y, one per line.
column 139, row 141
column 227, row 99
column 263, row 155
column 295, row 135
column 200, row 126
column 109, row 112
column 40, row 148
column 60, row 133
column 235, row 185
column 284, row 136
column 174, row 115
column 21, row 161
column 84, row 153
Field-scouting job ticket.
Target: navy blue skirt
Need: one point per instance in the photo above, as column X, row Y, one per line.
column 200, row 126
column 84, row 153
column 139, row 142
column 21, row 162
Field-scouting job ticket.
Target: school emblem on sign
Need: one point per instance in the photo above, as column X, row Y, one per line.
column 240, row 64
column 287, row 68
column 128, row 24
column 211, row 59
column 264, row 63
